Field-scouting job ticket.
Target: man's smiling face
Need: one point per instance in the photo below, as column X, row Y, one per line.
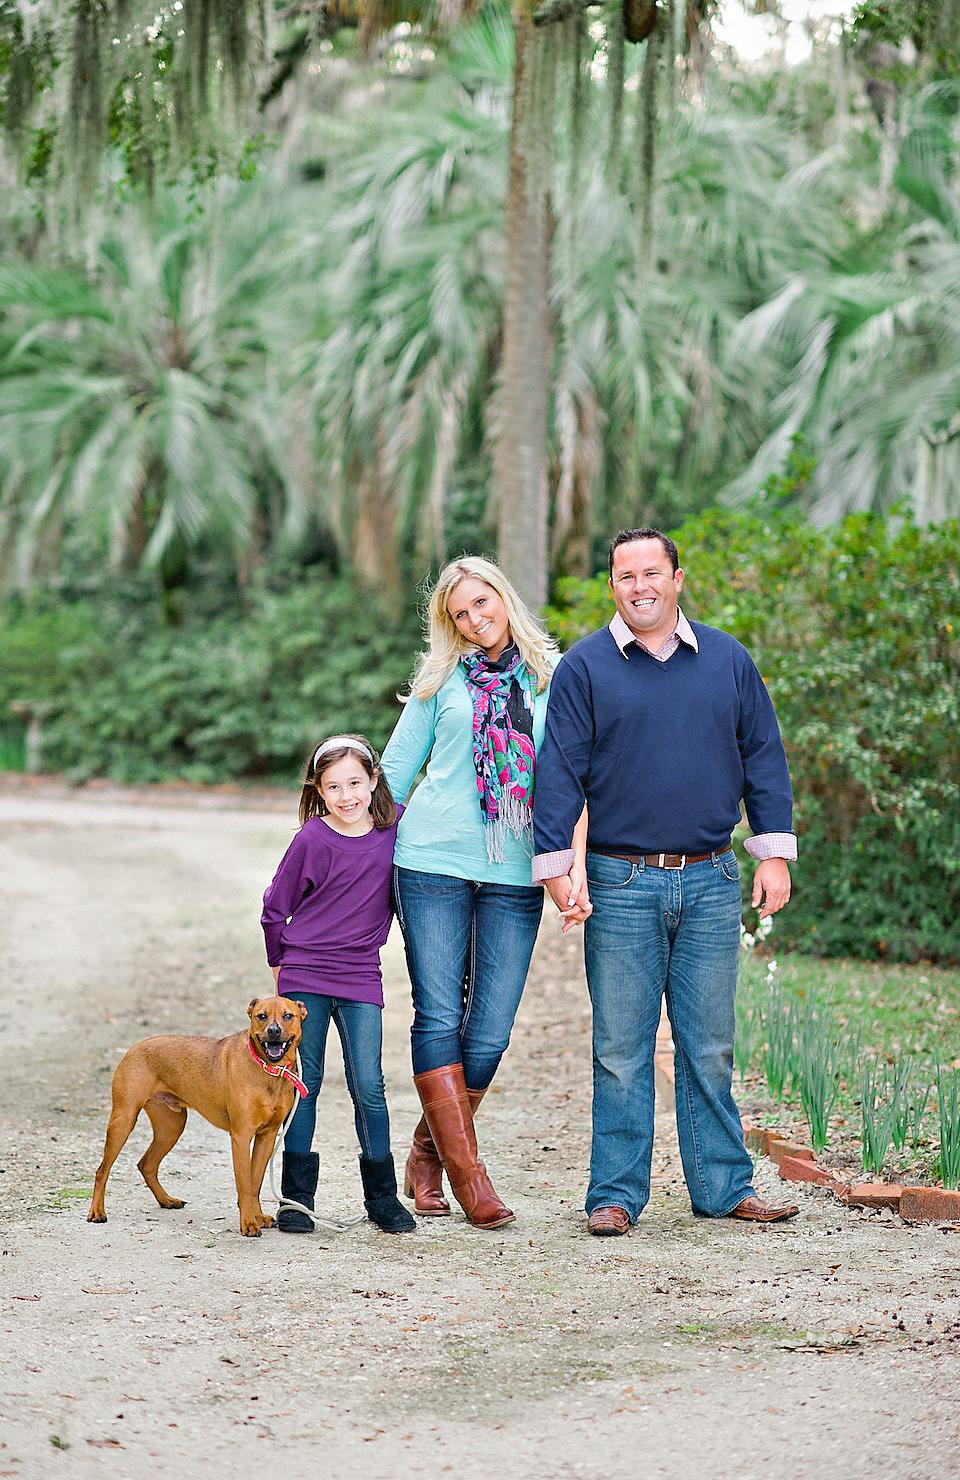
column 646, row 587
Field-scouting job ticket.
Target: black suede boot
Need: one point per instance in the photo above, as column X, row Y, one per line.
column 380, row 1199
column 298, row 1181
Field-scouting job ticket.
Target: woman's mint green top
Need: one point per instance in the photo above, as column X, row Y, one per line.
column 441, row 831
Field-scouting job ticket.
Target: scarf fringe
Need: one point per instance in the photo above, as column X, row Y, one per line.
column 514, row 819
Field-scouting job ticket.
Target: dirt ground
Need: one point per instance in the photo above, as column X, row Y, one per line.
column 163, row 1343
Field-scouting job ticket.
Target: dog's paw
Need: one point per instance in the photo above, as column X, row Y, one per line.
column 251, row 1230
column 269, row 1222
column 172, row 1202
column 95, row 1217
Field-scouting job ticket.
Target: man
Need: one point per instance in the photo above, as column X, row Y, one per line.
column 663, row 727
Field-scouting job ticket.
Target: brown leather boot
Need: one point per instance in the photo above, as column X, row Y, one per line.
column 449, row 1116
column 423, row 1177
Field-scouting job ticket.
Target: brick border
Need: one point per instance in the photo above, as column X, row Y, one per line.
column 797, row 1163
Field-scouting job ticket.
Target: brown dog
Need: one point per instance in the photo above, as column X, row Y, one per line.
column 246, row 1095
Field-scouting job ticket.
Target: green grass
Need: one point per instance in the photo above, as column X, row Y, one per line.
column 62, row 1197
column 893, row 1009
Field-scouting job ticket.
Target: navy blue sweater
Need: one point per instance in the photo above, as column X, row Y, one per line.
column 663, row 753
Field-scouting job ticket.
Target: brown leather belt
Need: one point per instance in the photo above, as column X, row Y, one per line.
column 663, row 860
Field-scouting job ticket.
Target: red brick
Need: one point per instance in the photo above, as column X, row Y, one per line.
column 799, row 1169
column 757, row 1137
column 777, row 1149
column 929, row 1205
column 875, row 1195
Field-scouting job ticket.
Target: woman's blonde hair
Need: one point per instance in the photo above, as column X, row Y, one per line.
column 446, row 645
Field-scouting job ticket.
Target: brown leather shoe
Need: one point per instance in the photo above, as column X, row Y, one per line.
column 752, row 1210
column 609, row 1222
column 449, row 1116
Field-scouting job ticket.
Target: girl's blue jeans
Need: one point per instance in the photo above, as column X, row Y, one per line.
column 361, row 1035
column 468, row 951
column 672, row 932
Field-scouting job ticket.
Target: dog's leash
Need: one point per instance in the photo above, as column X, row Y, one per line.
column 319, row 1220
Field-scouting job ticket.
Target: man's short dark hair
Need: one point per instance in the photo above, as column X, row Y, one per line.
column 628, row 536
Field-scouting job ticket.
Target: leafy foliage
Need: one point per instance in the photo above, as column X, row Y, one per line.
column 140, row 395
column 864, row 364
column 312, row 359
column 244, row 694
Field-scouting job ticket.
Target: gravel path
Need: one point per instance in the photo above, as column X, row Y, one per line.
column 164, row 1344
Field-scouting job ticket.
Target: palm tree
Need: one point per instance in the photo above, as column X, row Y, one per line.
column 143, row 391
column 522, row 409
column 403, row 358
column 399, row 353
column 864, row 366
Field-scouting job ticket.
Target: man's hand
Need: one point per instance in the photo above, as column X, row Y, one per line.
column 570, row 895
column 771, row 886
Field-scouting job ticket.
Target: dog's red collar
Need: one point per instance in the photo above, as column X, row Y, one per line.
column 279, row 1071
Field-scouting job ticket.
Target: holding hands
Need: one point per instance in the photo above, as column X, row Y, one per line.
column 571, row 896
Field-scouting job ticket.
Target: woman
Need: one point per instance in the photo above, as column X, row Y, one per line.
column 464, row 898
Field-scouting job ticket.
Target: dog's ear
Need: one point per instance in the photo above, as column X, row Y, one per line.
column 303, row 1010
column 251, row 1005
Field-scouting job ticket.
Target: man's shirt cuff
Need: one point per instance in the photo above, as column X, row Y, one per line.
column 552, row 865
column 772, row 845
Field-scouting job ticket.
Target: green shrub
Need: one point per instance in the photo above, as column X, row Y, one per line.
column 242, row 694
column 855, row 630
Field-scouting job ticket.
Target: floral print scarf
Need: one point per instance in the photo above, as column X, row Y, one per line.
column 503, row 691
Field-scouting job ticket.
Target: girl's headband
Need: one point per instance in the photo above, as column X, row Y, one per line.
column 343, row 742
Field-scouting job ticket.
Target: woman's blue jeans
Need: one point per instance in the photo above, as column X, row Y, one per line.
column 360, row 1025
column 672, row 931
column 468, row 951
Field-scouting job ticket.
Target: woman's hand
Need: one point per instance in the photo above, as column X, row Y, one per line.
column 569, row 894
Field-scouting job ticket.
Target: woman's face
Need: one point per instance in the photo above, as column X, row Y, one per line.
column 479, row 613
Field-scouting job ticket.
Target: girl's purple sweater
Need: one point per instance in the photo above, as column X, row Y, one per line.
column 328, row 911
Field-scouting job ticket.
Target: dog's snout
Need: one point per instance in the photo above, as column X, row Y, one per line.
column 274, row 1031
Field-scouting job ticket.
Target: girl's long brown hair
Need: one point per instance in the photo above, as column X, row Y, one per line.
column 383, row 809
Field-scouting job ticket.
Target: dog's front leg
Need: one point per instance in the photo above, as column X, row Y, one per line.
column 263, row 1144
column 251, row 1219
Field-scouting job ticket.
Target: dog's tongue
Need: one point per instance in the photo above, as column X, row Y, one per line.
column 275, row 1050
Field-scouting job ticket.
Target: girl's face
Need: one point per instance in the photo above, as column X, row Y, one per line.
column 479, row 613
column 347, row 792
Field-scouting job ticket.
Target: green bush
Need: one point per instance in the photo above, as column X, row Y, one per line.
column 243, row 694
column 855, row 630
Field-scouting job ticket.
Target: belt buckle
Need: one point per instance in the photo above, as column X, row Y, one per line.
column 673, row 867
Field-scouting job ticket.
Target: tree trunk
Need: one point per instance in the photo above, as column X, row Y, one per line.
column 647, row 131
column 520, row 430
column 616, row 68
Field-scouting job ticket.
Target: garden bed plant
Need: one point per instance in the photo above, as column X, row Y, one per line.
column 859, row 1061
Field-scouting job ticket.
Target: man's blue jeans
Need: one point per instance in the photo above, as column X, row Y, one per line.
column 656, row 931
column 468, row 951
column 360, row 1025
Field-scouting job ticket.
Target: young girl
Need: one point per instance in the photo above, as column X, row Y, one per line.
column 325, row 917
